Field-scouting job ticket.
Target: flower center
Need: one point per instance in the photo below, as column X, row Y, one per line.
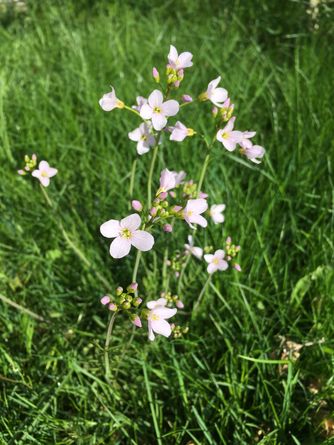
column 157, row 110
column 215, row 261
column 225, row 135
column 190, row 213
column 44, row 174
column 155, row 317
column 143, row 137
column 125, row 233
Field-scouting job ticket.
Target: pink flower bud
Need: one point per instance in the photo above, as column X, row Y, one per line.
column 237, row 267
column 153, row 211
column 177, row 274
column 203, row 195
column 133, row 286
column 138, row 301
column 163, row 195
column 179, row 304
column 155, row 74
column 136, row 321
column 176, row 209
column 34, row 157
column 228, row 240
column 105, row 300
column 112, row 307
column 119, row 290
column 177, row 84
column 168, row 228
column 137, row 205
column 186, row 98
column 172, row 194
column 214, row 111
column 21, row 172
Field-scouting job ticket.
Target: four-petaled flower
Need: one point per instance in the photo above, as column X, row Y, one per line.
column 179, row 62
column 158, row 110
column 44, row 173
column 157, row 317
column 126, row 234
column 192, row 212
column 109, row 101
column 142, row 135
column 216, row 213
column 253, row 152
column 180, row 132
column 228, row 137
column 216, row 261
column 193, row 250
column 216, row 95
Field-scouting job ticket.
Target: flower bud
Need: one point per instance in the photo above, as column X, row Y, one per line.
column 105, row 300
column 136, row 321
column 214, row 111
column 237, row 267
column 133, row 287
column 153, row 211
column 179, row 304
column 172, row 194
column 126, row 305
column 163, row 195
column 203, row 195
column 137, row 205
column 176, row 209
column 168, row 228
column 21, row 172
column 112, row 307
column 119, row 291
column 137, row 302
column 186, row 98
column 156, row 75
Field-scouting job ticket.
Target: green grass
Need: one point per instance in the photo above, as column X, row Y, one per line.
column 221, row 383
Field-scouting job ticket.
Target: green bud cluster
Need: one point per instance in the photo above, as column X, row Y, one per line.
column 179, row 331
column 231, row 249
column 225, row 114
column 125, row 300
column 208, row 249
column 190, row 189
column 174, row 76
column 170, row 298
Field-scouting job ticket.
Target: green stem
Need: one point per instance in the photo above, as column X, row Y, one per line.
column 135, row 269
column 21, row 308
column 106, row 348
column 201, row 295
column 150, row 175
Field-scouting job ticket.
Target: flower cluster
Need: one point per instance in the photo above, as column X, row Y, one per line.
column 43, row 173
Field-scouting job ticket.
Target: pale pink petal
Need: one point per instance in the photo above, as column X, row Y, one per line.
column 142, row 148
column 197, row 252
column 131, row 222
column 108, row 101
column 36, row 173
column 142, row 240
column 218, row 96
column 135, row 135
column 146, row 111
column 110, row 229
column 185, row 59
column 159, row 121
column 222, row 265
column 199, row 205
column 52, row 172
column 165, row 312
column 170, row 107
column 229, row 144
column 43, row 165
column 178, row 135
column 161, row 327
column 198, row 219
column 105, row 300
column 212, row 268
column 45, row 181
column 173, row 55
column 151, row 335
column 155, row 303
column 208, row 257
column 155, row 99
column 120, row 247
column 213, row 84
column 219, row 254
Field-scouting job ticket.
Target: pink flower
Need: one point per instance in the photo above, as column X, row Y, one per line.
column 137, row 205
column 126, row 234
column 216, row 213
column 216, row 261
column 245, row 139
column 216, row 95
column 140, row 102
column 228, row 137
column 186, row 98
column 253, row 152
column 157, row 317
column 105, row 300
column 191, row 249
column 192, row 212
column 179, row 62
column 167, row 181
column 179, row 177
column 44, row 173
column 180, row 132
column 155, row 74
column 158, row 110
column 145, row 140
column 109, row 101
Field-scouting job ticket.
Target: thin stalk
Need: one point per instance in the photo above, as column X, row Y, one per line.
column 21, row 308
column 150, row 175
column 106, row 348
column 136, row 266
column 201, row 295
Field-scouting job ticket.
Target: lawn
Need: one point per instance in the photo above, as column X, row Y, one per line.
column 257, row 363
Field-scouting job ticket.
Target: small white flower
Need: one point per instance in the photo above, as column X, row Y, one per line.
column 216, row 213
column 193, row 250
column 157, row 317
column 158, row 110
column 216, row 261
column 44, row 173
column 142, row 135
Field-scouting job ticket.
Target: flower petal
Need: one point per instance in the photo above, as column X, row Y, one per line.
column 159, row 121
column 142, row 148
column 142, row 240
column 212, row 268
column 173, row 55
column 135, row 135
column 208, row 257
column 45, row 181
column 110, row 229
column 52, row 172
column 155, row 99
column 165, row 312
column 131, row 222
column 120, row 247
column 199, row 205
column 198, row 219
column 43, row 165
column 222, row 265
column 185, row 59
column 161, row 327
column 170, row 107
column 146, row 111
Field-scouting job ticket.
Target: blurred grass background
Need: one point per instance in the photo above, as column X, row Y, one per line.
column 276, row 59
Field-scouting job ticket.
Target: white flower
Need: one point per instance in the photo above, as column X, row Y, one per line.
column 253, row 152
column 193, row 250
column 216, row 261
column 216, row 95
column 44, row 173
column 157, row 318
column 158, row 110
column 126, row 234
column 192, row 212
column 229, row 137
column 216, row 213
column 109, row 101
column 179, row 62
column 180, row 132
column 145, row 140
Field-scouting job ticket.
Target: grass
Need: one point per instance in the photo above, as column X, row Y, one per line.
column 226, row 381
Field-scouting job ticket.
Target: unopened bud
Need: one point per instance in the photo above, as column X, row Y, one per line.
column 137, row 301
column 112, row 307
column 136, row 321
column 155, row 74
column 168, row 228
column 105, row 300
column 214, row 111
column 132, row 287
column 119, row 291
column 137, row 205
column 179, row 304
column 186, row 98
column 153, row 211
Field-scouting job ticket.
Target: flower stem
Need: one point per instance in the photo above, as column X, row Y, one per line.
column 150, row 175
column 106, row 348
column 135, row 269
column 201, row 295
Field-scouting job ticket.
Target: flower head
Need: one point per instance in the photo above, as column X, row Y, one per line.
column 109, row 101
column 254, row 153
column 191, row 249
column 228, row 137
column 126, row 234
column 216, row 213
column 157, row 317
column 180, row 132
column 142, row 135
column 158, row 110
column 216, row 95
column 245, row 141
column 192, row 212
column 167, row 181
column 179, row 62
column 216, row 261
column 44, row 173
